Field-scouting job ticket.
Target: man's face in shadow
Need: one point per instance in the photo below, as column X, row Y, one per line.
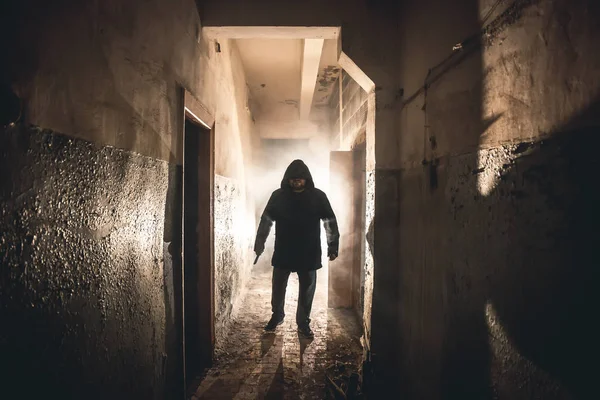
column 297, row 184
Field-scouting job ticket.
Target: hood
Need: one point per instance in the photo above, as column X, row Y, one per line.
column 297, row 169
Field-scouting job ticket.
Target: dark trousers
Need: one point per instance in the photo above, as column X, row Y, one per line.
column 306, row 294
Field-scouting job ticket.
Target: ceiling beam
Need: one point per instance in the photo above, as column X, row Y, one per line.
column 356, row 73
column 311, row 56
column 271, row 32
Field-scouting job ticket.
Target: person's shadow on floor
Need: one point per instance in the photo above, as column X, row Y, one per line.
column 266, row 342
column 304, row 343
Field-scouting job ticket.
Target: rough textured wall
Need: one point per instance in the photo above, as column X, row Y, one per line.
column 85, row 301
column 233, row 240
column 549, row 55
column 502, row 282
column 535, row 231
column 111, row 73
column 497, row 225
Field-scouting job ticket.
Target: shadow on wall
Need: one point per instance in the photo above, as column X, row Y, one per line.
column 525, row 251
column 519, row 260
column 545, row 262
column 526, row 254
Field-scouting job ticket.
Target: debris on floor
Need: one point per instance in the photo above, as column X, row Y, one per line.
column 253, row 364
column 343, row 382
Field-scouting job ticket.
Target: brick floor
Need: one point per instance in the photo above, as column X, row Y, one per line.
column 252, row 364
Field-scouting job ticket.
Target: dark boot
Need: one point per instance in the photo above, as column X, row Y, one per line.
column 273, row 323
column 305, row 331
column 308, row 284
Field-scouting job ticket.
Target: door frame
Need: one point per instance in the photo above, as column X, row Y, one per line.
column 196, row 113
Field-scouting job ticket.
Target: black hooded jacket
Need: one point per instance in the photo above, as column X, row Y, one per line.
column 297, row 217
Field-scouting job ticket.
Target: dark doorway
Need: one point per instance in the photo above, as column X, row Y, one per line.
column 197, row 254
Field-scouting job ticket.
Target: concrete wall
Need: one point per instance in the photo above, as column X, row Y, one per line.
column 495, row 255
column 108, row 75
column 87, row 298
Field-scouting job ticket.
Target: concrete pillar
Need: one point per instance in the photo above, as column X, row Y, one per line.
column 340, row 270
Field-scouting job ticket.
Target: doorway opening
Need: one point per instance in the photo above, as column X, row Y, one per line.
column 309, row 100
column 306, row 100
column 348, row 186
column 198, row 287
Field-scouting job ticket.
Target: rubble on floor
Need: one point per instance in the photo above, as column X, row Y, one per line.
column 253, row 364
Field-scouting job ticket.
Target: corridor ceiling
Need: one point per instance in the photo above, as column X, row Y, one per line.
column 290, row 72
column 287, row 77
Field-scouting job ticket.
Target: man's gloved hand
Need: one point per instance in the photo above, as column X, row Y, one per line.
column 332, row 255
column 258, row 250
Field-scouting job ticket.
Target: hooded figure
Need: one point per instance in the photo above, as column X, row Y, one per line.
column 297, row 209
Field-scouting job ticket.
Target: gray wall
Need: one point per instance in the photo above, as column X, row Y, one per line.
column 102, row 74
column 497, row 226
